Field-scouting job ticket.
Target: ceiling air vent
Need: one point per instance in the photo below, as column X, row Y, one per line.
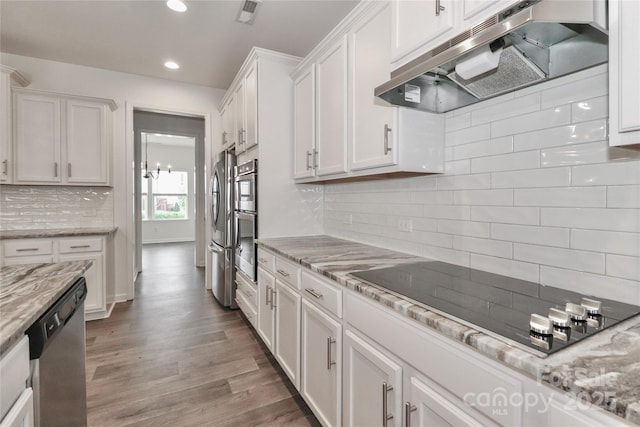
column 248, row 11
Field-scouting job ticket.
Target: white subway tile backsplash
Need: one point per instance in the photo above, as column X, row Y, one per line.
column 610, row 242
column 592, row 262
column 592, row 131
column 615, row 173
column 464, row 182
column 483, row 246
column 510, row 108
column 467, row 135
column 592, row 218
column 483, row 197
column 591, row 284
column 547, row 236
column 506, row 162
column 507, row 267
column 464, row 228
column 544, row 119
column 533, row 178
column 506, row 215
column 625, row 267
column 482, row 148
column 590, row 109
column 591, row 197
column 590, row 87
column 623, row 196
column 531, row 190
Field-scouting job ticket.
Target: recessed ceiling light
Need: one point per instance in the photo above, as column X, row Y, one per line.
column 177, row 5
column 171, row 65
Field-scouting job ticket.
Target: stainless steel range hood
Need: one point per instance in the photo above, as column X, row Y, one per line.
column 529, row 43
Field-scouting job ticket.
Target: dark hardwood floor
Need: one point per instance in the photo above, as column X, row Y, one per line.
column 174, row 357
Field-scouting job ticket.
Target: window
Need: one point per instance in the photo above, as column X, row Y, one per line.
column 167, row 194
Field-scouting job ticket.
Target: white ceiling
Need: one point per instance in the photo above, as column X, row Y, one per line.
column 138, row 36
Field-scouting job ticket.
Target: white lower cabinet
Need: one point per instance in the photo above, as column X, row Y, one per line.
column 372, row 385
column 21, row 413
column 16, row 400
column 287, row 331
column 321, row 365
column 266, row 313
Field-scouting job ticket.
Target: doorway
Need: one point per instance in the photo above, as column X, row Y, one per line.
column 169, row 206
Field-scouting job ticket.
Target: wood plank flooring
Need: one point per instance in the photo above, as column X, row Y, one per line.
column 174, row 357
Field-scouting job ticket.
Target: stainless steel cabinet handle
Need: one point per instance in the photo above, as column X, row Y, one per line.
column 80, row 246
column 5, row 167
column 262, row 260
column 313, row 292
column 387, row 129
column 240, row 137
column 68, row 170
column 439, row 8
column 55, row 169
column 243, row 134
column 224, row 137
column 329, row 362
column 408, row 409
column 385, row 415
column 266, row 296
column 273, row 305
column 27, row 250
column 308, row 160
column 315, row 159
column 283, row 273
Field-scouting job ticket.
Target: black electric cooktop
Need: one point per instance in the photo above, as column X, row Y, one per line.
column 503, row 306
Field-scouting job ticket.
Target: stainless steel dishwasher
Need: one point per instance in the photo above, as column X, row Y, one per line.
column 57, row 353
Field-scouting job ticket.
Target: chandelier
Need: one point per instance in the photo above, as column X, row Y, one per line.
column 151, row 173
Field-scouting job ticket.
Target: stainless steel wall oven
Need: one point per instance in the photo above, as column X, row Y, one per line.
column 246, row 204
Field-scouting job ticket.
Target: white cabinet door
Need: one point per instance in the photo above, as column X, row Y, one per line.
column 417, row 23
column 238, row 98
column 251, row 106
column 473, row 10
column 5, row 128
column 331, row 114
column 21, row 413
column 372, row 385
column 321, row 364
column 371, row 138
column 37, row 138
column 95, row 276
column 304, row 124
column 430, row 408
column 87, row 143
column 624, row 69
column 226, row 118
column 266, row 313
column 232, row 126
column 287, row 348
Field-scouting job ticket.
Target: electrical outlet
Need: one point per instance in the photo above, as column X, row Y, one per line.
column 405, row 225
column 348, row 219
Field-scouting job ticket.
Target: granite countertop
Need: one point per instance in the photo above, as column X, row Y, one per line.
column 57, row 232
column 27, row 291
column 606, row 364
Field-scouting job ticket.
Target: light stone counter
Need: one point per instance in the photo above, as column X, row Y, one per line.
column 56, row 232
column 27, row 291
column 608, row 362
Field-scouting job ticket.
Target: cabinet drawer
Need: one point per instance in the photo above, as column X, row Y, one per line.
column 288, row 272
column 266, row 260
column 69, row 246
column 248, row 290
column 28, row 247
column 322, row 293
column 14, row 371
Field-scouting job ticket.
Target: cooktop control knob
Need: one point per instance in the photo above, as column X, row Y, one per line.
column 559, row 318
column 577, row 312
column 541, row 325
column 592, row 306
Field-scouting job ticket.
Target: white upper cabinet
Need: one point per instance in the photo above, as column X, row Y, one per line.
column 331, row 102
column 61, row 139
column 624, row 69
column 471, row 8
column 251, row 107
column 240, row 128
column 87, row 142
column 226, row 121
column 304, row 124
column 8, row 78
column 416, row 23
column 372, row 139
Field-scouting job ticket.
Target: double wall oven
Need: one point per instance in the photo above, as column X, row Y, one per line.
column 246, row 213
